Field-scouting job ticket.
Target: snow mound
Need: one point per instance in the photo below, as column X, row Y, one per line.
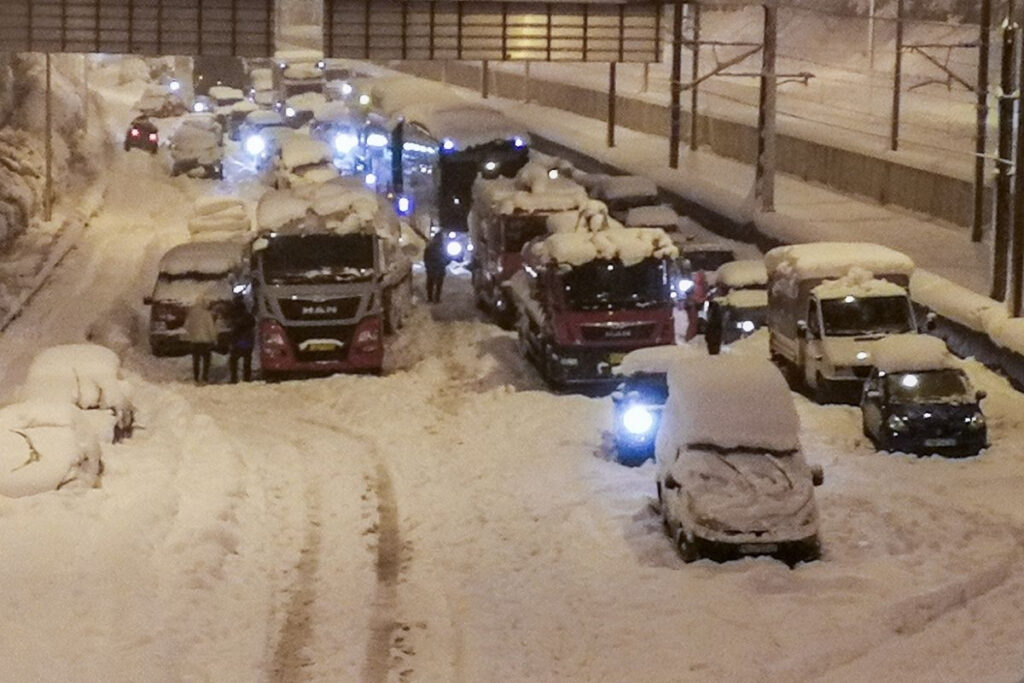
column 661, row 216
column 300, row 150
column 85, row 375
column 339, row 207
column 742, row 274
column 219, row 215
column 622, row 186
column 857, row 283
column 729, row 401
column 211, row 258
column 592, row 217
column 530, row 192
column 43, row 447
column 655, row 359
column 911, row 353
column 835, row 259
column 631, row 246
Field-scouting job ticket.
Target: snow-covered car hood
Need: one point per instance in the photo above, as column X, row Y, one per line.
column 852, row 351
column 738, row 493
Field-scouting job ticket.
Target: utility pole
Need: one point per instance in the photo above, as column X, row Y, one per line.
column 1016, row 290
column 695, row 75
column 48, row 190
column 611, row 103
column 764, row 172
column 485, row 79
column 674, row 85
column 981, row 135
column 1004, row 165
column 897, row 79
column 871, row 36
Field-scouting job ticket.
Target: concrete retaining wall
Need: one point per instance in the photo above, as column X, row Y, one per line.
column 883, row 180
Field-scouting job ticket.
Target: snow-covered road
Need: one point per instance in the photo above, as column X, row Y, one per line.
column 455, row 521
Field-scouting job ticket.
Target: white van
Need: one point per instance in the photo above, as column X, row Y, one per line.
column 732, row 480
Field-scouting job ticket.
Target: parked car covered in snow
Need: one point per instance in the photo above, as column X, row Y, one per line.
column 740, row 293
column 213, row 270
column 261, row 135
column 625, row 192
column 197, row 147
column 89, row 377
column 732, row 480
column 160, row 101
column 220, row 218
column 917, row 400
column 298, row 109
column 45, row 446
column 302, row 162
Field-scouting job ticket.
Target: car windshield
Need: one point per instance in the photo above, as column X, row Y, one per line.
column 933, row 386
column 317, row 259
column 608, row 285
column 521, row 229
column 851, row 316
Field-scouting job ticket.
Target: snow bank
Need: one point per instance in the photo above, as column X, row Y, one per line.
column 43, row 447
column 742, row 274
column 910, row 353
column 622, row 186
column 661, row 216
column 84, row 375
column 212, row 258
column 655, row 359
column 835, row 259
column 729, row 401
column 219, row 215
column 631, row 246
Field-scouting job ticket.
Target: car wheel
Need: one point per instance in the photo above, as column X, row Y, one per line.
column 687, row 549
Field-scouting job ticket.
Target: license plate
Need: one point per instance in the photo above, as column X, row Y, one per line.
column 615, row 358
column 315, row 346
column 933, row 443
column 753, row 548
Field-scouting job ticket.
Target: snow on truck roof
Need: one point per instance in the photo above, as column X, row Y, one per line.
column 835, row 259
column 335, row 207
column 263, row 117
column 300, row 150
column 744, row 273
column 201, row 257
column 857, row 283
column 730, row 401
column 336, row 112
column 531, row 191
column 911, row 353
column 631, row 246
column 466, row 125
column 652, row 217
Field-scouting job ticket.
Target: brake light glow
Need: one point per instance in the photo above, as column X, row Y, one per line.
column 135, row 132
column 152, row 137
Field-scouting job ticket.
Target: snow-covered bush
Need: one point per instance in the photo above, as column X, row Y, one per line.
column 21, row 181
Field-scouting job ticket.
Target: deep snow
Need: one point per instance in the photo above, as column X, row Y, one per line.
column 456, row 521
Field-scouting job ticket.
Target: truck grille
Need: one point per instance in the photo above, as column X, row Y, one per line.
column 342, row 308
column 322, row 342
column 615, row 332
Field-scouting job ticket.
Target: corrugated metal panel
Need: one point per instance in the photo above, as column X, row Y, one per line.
column 187, row 27
column 601, row 31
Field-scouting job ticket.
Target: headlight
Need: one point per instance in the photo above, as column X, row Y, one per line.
column 518, row 142
column 376, row 140
column 346, row 89
column 404, row 206
column 976, row 421
column 255, row 145
column 447, row 144
column 370, row 179
column 453, row 249
column 684, row 285
column 174, row 86
column 289, row 112
column 198, row 107
column 746, row 326
column 637, row 420
column 364, row 100
column 344, row 143
column 897, row 423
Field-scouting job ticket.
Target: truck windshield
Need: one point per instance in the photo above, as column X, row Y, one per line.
column 934, row 386
column 521, row 229
column 602, row 285
column 317, row 259
column 852, row 316
column 459, row 170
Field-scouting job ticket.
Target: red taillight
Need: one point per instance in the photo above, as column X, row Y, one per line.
column 367, row 336
column 135, row 132
column 152, row 137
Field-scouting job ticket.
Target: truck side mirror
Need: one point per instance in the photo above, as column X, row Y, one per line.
column 803, row 329
column 873, row 394
column 817, row 475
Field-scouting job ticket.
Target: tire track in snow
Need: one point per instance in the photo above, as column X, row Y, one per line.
column 290, row 657
column 389, row 563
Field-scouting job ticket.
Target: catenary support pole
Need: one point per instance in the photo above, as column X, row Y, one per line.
column 485, row 79
column 871, row 35
column 981, row 134
column 48, row 190
column 694, row 74
column 611, row 103
column 674, row 85
column 1004, row 165
column 1016, row 285
column 764, row 172
column 897, row 80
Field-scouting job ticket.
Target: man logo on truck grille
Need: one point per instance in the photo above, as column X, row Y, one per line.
column 319, row 310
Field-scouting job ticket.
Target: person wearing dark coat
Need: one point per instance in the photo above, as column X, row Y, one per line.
column 435, row 262
column 243, row 333
column 714, row 332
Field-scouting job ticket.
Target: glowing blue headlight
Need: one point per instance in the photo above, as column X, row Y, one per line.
column 289, row 112
column 174, row 86
column 404, row 206
column 746, row 326
column 370, row 179
column 344, row 143
column 638, row 420
column 198, row 107
column 376, row 140
column 518, row 142
column 346, row 89
column 364, row 100
column 453, row 249
column 684, row 285
column 447, row 144
column 255, row 145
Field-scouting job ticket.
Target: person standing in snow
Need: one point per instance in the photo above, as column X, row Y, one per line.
column 435, row 261
column 201, row 333
column 243, row 330
column 713, row 331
